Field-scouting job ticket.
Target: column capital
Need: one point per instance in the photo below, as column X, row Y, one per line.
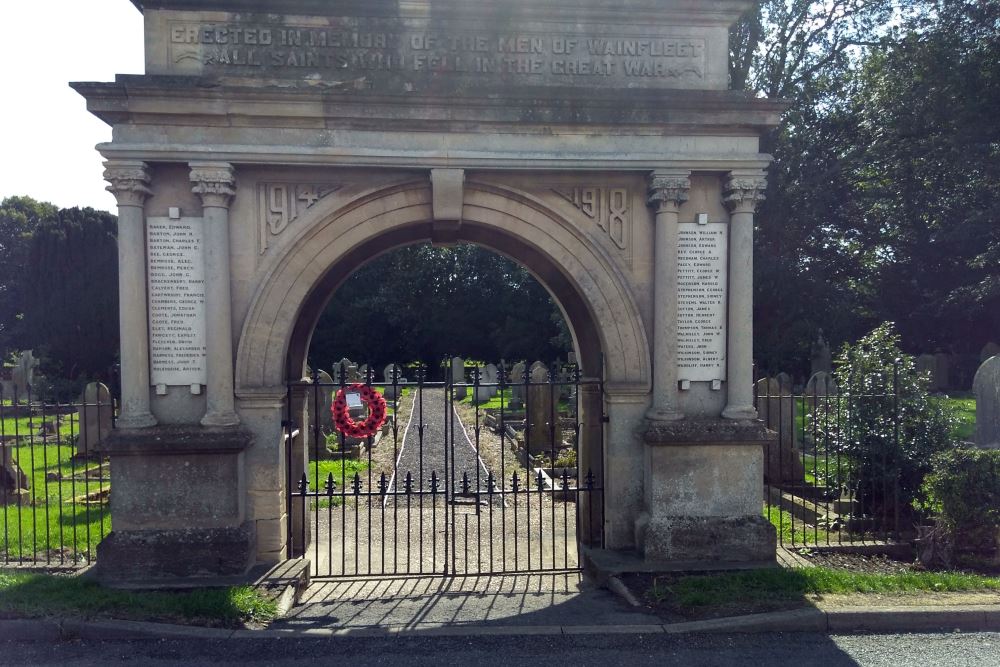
column 668, row 190
column 128, row 181
column 744, row 191
column 215, row 182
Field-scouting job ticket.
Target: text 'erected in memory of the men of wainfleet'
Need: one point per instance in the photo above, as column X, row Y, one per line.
column 702, row 284
column 369, row 47
column 176, row 301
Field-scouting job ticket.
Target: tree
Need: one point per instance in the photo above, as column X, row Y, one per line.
column 19, row 216
column 421, row 303
column 71, row 305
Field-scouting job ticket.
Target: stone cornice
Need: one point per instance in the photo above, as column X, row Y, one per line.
column 667, row 191
column 128, row 181
column 215, row 182
column 744, row 191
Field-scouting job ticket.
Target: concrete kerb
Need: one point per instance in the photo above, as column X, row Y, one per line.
column 839, row 621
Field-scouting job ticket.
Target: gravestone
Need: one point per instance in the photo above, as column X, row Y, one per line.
column 363, row 373
column 941, row 379
column 821, row 384
column 346, row 371
column 784, row 382
column 774, row 405
column 392, row 376
column 991, row 349
column 517, row 386
column 94, row 419
column 458, row 377
column 14, row 484
column 822, row 358
column 543, row 429
column 484, row 392
column 986, row 387
column 325, row 390
column 491, row 376
column 23, row 374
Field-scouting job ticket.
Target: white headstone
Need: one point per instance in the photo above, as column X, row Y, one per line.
column 458, row 377
column 23, row 374
column 392, row 376
column 986, row 387
column 517, row 385
column 821, row 384
column 325, row 398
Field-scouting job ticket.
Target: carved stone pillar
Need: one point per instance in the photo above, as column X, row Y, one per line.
column 743, row 191
column 129, row 181
column 215, row 183
column 667, row 191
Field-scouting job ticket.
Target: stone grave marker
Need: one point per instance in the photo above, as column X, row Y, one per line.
column 991, row 349
column 392, row 373
column 774, row 405
column 14, row 484
column 784, row 382
column 822, row 357
column 347, row 371
column 517, row 386
column 363, row 373
column 986, row 387
column 458, row 377
column 941, row 379
column 927, row 365
column 94, row 419
column 540, row 413
column 326, row 390
column 821, row 384
column 23, row 374
column 492, row 374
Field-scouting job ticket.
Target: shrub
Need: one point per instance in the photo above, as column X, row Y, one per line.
column 890, row 426
column 963, row 491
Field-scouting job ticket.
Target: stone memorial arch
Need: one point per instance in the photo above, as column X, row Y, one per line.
column 274, row 146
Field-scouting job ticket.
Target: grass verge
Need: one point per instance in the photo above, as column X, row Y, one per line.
column 35, row 595
column 756, row 586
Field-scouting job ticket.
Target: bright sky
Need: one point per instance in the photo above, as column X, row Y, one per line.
column 47, row 136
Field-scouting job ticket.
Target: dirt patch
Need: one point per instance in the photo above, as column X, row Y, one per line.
column 861, row 563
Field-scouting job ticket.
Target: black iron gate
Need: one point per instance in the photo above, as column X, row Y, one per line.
column 495, row 471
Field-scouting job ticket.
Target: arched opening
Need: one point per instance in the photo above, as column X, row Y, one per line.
column 608, row 339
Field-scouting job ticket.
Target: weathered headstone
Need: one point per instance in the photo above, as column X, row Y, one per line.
column 491, row 376
column 774, row 405
column 517, row 386
column 458, row 377
column 822, row 358
column 94, row 418
column 325, row 391
column 392, row 376
column 991, row 349
column 14, row 483
column 821, row 384
column 346, row 371
column 363, row 372
column 543, row 429
column 784, row 382
column 941, row 379
column 986, row 387
column 23, row 374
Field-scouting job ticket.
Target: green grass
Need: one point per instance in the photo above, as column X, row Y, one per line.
column 782, row 522
column 54, row 527
column 965, row 414
column 35, row 595
column 343, row 472
column 26, row 426
column 782, row 584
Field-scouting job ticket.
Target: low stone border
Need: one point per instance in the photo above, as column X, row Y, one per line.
column 839, row 621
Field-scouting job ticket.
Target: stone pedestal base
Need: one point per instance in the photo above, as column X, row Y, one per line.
column 151, row 557
column 704, row 493
column 178, row 507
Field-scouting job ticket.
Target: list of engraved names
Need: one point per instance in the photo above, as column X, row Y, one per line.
column 176, row 301
column 702, row 289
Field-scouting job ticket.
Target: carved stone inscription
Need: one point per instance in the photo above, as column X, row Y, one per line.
column 361, row 46
column 280, row 204
column 609, row 208
column 702, row 297
column 176, row 300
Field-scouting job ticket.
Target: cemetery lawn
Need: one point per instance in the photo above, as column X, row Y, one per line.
column 789, row 533
column 59, row 525
column 964, row 406
column 37, row 595
column 343, row 472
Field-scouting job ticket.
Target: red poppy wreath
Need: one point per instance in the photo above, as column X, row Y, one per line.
column 342, row 416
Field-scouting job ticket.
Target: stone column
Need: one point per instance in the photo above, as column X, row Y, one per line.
column 129, row 181
column 667, row 191
column 215, row 183
column 743, row 191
